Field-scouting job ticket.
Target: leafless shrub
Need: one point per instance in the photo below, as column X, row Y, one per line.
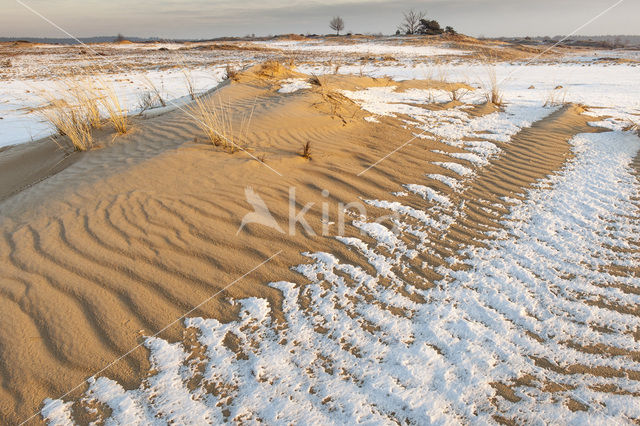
column 337, row 24
column 411, row 21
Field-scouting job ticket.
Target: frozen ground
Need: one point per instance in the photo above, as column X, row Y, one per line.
column 21, row 122
column 365, row 351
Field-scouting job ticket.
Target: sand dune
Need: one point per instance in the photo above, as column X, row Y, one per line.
column 122, row 240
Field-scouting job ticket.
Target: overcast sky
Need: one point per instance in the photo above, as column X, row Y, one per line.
column 213, row 18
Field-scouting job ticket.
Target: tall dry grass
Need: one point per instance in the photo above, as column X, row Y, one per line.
column 71, row 121
column 191, row 86
column 74, row 111
column 215, row 118
column 555, row 97
column 117, row 114
column 492, row 92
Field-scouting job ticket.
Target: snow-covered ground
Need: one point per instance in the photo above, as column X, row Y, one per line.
column 375, row 48
column 21, row 122
column 364, row 351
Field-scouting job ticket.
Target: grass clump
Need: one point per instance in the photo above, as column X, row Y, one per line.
column 493, row 94
column 116, row 114
column 231, row 73
column 555, row 97
column 306, row 151
column 70, row 121
column 315, row 80
column 457, row 93
column 215, row 119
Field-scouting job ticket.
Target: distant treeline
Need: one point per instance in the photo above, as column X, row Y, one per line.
column 46, row 40
column 611, row 41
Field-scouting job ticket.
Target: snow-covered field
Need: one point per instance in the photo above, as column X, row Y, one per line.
column 21, row 99
column 382, row 357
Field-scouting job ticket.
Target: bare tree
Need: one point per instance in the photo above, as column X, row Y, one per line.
column 337, row 24
column 411, row 21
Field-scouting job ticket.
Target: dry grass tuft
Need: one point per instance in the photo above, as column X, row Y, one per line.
column 273, row 69
column 457, row 93
column 70, row 121
column 215, row 119
column 116, row 114
column 231, row 73
column 632, row 126
column 493, row 94
column 191, row 87
column 315, row 80
column 153, row 95
column 556, row 97
column 306, row 151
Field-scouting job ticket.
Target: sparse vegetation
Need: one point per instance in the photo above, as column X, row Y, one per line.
column 116, row 114
column 190, row 84
column 493, row 94
column 231, row 73
column 555, row 97
column 214, row 118
column 632, row 126
column 70, row 121
column 457, row 93
column 315, row 80
column 155, row 94
column 273, row 69
column 306, row 151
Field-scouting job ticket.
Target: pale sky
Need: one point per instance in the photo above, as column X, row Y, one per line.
column 214, row 18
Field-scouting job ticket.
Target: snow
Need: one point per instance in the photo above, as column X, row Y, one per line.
column 376, row 48
column 20, row 121
column 292, row 85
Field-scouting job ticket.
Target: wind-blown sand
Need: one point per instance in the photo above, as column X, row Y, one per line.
column 101, row 249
